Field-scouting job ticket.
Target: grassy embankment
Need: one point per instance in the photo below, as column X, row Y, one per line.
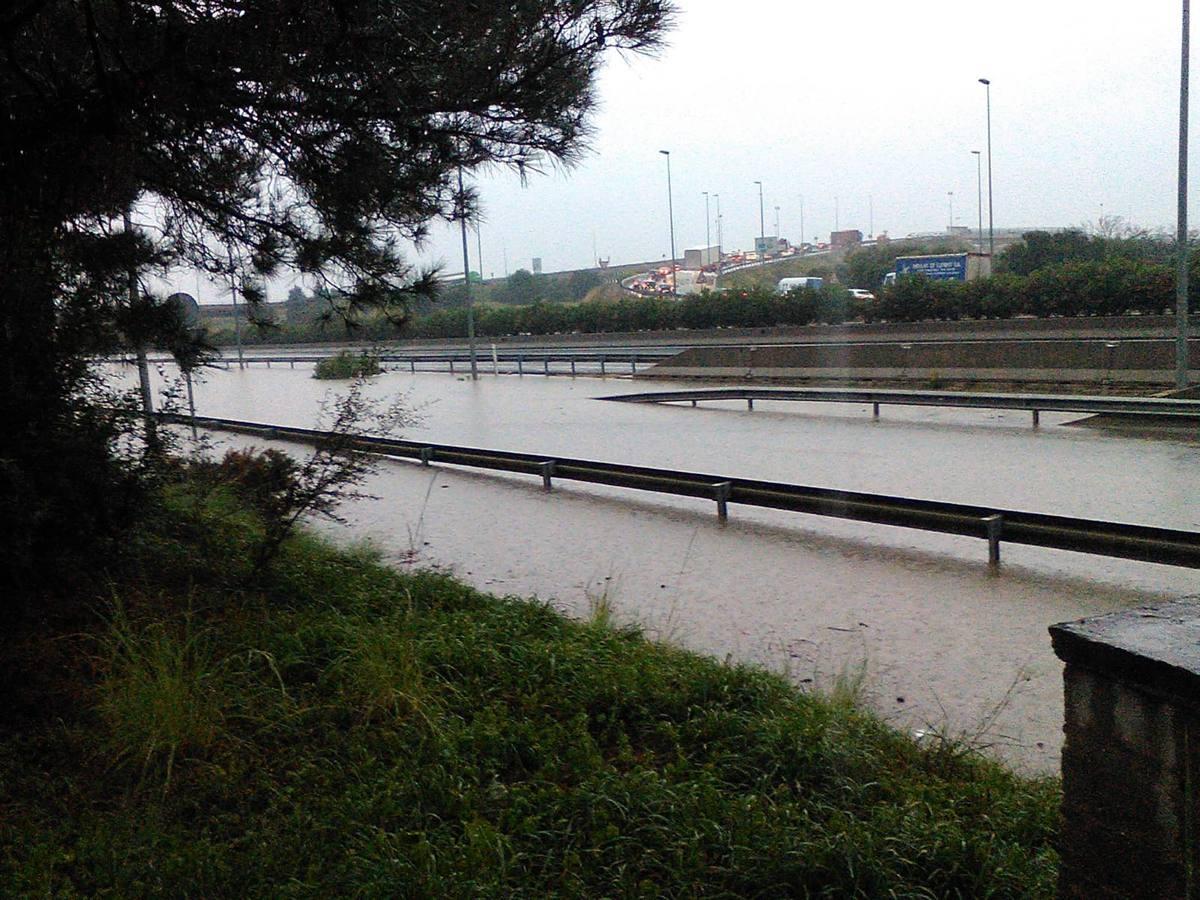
column 332, row 727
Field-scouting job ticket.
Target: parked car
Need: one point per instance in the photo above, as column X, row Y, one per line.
column 860, row 294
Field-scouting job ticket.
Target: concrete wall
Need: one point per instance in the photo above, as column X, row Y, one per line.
column 1097, row 362
column 1131, row 758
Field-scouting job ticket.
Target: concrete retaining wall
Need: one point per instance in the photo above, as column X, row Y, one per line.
column 1136, row 362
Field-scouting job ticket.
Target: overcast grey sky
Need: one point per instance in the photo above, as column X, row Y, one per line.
column 870, row 101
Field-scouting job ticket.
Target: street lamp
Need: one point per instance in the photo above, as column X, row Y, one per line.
column 979, row 193
column 671, row 216
column 801, row 224
column 717, row 197
column 950, row 194
column 777, row 221
column 762, row 227
column 462, row 221
column 1181, row 279
column 707, row 230
column 987, row 86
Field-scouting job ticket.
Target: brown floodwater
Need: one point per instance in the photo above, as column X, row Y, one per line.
column 930, row 636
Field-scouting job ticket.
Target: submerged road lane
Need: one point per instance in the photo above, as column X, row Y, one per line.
column 942, row 642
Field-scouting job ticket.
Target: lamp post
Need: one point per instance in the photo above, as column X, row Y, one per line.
column 987, row 86
column 777, row 221
column 1181, row 279
column 671, row 217
column 462, row 221
column 762, row 227
column 979, row 193
column 717, row 197
column 707, row 230
column 801, row 224
column 950, row 194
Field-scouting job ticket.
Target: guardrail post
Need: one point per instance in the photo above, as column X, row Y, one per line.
column 693, row 404
column 268, row 364
column 721, row 494
column 633, row 365
column 520, row 364
column 426, row 455
column 495, row 361
column 602, row 373
column 412, row 365
column 1035, row 418
column 547, row 473
column 546, row 366
column 452, row 365
column 572, row 367
column 875, row 411
column 749, row 403
column 994, row 525
column 292, row 364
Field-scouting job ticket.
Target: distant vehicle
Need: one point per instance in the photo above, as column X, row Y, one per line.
column 796, row 284
column 945, row 266
column 860, row 294
column 889, row 278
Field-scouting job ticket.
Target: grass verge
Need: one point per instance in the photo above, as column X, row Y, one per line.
column 343, row 729
column 347, row 365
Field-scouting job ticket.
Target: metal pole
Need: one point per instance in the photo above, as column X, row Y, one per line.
column 987, row 85
column 237, row 319
column 462, row 211
column 777, row 221
column 671, row 216
column 979, row 193
column 870, row 216
column 720, row 244
column 707, row 229
column 802, row 223
column 762, row 227
column 143, row 363
column 1181, row 281
column 950, row 194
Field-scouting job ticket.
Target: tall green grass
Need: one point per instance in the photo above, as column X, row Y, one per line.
column 346, row 730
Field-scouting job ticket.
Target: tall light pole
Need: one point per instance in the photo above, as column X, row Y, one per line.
column 777, row 221
column 987, row 86
column 462, row 221
column 1181, row 279
column 717, row 197
column 950, row 194
column 801, row 224
column 837, row 222
column 671, row 216
column 707, row 231
column 762, row 227
column 979, row 193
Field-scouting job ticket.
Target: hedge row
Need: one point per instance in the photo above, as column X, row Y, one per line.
column 1111, row 287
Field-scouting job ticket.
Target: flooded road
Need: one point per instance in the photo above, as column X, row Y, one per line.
column 935, row 640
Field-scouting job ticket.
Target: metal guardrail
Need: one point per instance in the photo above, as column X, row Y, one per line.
column 1140, row 542
column 1033, row 403
column 527, row 360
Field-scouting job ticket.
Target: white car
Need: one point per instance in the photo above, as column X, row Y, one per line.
column 860, row 294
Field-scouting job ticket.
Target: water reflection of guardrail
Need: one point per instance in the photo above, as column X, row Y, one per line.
column 1140, row 542
column 1032, row 403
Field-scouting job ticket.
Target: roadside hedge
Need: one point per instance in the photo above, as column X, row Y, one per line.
column 1110, row 287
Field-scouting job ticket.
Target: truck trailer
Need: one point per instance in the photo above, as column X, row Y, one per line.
column 943, row 267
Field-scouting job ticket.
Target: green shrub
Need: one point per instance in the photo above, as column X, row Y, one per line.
column 347, row 365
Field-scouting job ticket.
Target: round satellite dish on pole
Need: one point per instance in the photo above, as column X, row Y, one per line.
column 188, row 307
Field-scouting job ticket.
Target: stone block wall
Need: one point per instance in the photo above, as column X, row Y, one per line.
column 1131, row 758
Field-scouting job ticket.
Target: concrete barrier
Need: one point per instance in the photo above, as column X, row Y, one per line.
column 1139, row 363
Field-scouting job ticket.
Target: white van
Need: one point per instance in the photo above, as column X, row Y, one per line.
column 795, row 284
